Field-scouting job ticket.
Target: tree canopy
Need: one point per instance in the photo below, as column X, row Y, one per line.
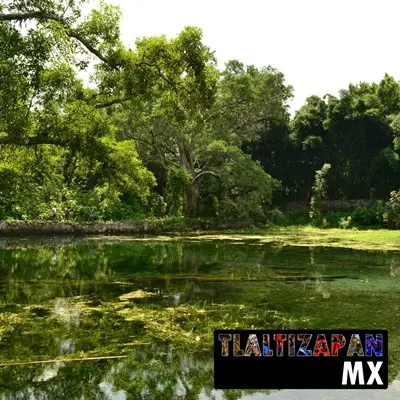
column 158, row 129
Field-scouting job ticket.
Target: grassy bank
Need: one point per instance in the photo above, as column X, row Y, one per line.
column 177, row 229
column 380, row 239
column 285, row 236
column 139, row 227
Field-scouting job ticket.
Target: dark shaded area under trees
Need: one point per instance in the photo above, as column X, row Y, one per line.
column 162, row 132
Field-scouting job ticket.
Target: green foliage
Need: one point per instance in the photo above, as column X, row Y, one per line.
column 250, row 100
column 161, row 131
column 319, row 189
column 372, row 215
column 334, row 218
column 242, row 187
column 298, row 217
column 345, row 222
column 35, row 181
column 177, row 182
column 357, row 133
column 27, row 183
column 395, row 126
column 392, row 212
column 367, row 216
column 275, row 216
column 157, row 206
column 389, row 94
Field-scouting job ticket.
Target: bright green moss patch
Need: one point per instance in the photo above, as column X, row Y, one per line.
column 285, row 236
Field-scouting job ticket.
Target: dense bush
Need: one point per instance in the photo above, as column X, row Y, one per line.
column 319, row 190
column 345, row 223
column 392, row 212
column 371, row 215
column 298, row 217
column 275, row 216
column 333, row 218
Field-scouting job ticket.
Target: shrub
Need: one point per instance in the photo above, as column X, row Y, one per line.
column 157, row 205
column 345, row 222
column 392, row 213
column 177, row 183
column 275, row 216
column 298, row 217
column 369, row 215
column 334, row 218
column 319, row 190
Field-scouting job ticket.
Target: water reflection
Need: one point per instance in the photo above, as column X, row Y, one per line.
column 141, row 385
column 393, row 392
column 70, row 299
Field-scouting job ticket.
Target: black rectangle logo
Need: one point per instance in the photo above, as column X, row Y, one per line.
column 301, row 359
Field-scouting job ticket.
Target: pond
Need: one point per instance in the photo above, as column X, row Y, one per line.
column 156, row 303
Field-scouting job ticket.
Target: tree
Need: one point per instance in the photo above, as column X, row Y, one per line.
column 250, row 101
column 169, row 121
column 358, row 130
column 242, row 189
column 389, row 94
column 252, row 112
column 319, row 194
column 309, row 136
column 182, row 132
column 43, row 103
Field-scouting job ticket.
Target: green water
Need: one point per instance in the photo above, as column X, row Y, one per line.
column 60, row 300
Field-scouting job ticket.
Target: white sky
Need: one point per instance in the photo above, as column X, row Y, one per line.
column 320, row 46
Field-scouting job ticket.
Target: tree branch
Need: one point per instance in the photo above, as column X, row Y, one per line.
column 162, row 76
column 43, row 16
column 112, row 102
column 73, row 33
column 205, row 173
column 9, row 140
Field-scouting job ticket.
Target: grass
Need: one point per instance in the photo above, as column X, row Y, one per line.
column 369, row 239
column 307, row 235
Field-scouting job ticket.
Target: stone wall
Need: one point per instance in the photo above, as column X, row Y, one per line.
column 22, row 228
column 76, row 228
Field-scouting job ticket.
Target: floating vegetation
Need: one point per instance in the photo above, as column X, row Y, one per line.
column 138, row 294
column 158, row 303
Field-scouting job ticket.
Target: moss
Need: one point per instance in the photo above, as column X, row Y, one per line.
column 371, row 239
column 175, row 293
column 138, row 294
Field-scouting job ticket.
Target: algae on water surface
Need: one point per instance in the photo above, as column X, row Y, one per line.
column 159, row 303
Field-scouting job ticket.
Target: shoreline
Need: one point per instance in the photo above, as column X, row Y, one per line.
column 116, row 228
column 16, row 228
column 15, row 233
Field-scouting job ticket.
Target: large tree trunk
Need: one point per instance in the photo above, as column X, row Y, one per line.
column 191, row 199
column 191, row 193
